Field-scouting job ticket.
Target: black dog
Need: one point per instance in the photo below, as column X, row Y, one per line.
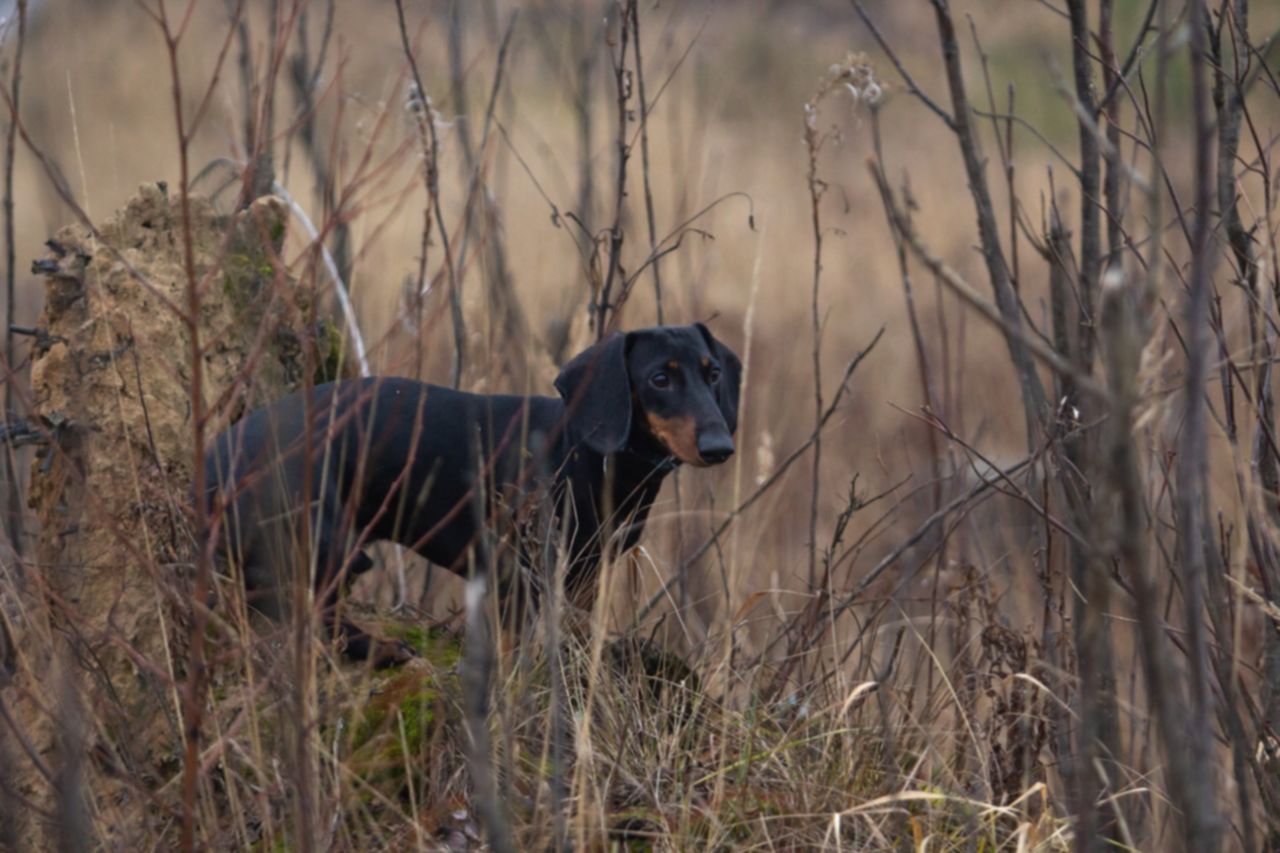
column 425, row 466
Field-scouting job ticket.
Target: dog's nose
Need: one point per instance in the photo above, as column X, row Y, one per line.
column 715, row 446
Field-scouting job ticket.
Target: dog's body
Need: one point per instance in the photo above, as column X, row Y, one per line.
column 427, row 467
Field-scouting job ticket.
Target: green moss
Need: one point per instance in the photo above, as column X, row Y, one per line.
column 331, row 351
column 243, row 275
column 406, row 709
column 394, row 727
column 439, row 648
column 249, row 265
column 416, row 706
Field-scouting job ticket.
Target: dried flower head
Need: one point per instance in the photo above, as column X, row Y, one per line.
column 857, row 76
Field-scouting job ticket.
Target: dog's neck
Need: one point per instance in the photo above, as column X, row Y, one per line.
column 652, row 459
column 631, row 468
column 620, row 486
column 637, row 468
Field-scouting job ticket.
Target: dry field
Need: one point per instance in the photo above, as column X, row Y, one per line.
column 996, row 564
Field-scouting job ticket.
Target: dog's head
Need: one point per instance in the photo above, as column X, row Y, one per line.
column 670, row 387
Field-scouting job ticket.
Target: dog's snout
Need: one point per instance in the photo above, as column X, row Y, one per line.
column 715, row 446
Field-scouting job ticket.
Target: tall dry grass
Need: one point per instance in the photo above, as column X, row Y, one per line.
column 1000, row 575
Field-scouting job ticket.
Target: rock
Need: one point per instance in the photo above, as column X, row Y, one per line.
column 111, row 490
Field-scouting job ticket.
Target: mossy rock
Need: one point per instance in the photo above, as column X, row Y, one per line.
column 252, row 275
column 244, row 276
column 331, row 351
column 408, row 710
column 438, row 647
column 249, row 266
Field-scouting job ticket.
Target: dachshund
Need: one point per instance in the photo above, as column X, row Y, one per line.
column 328, row 470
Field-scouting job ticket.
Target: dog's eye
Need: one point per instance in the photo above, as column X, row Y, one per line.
column 713, row 376
column 660, row 380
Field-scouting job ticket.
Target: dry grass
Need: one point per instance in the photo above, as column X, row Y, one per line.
column 960, row 656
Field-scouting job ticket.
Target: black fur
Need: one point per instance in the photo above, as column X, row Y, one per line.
column 399, row 460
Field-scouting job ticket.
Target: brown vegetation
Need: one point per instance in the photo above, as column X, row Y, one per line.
column 995, row 565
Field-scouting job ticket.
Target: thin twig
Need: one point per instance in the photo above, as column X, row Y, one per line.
column 906, row 77
column 644, row 163
column 603, row 304
column 480, row 215
column 973, row 299
column 1035, row 404
column 13, row 521
column 813, row 143
column 1129, row 61
column 431, row 177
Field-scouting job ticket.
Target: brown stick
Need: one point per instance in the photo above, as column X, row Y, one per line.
column 1035, row 403
column 13, row 500
column 431, row 178
column 957, row 285
column 1202, row 818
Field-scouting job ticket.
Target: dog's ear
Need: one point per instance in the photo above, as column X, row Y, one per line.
column 730, row 386
column 596, row 389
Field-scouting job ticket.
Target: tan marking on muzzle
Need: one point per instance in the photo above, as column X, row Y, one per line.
column 679, row 435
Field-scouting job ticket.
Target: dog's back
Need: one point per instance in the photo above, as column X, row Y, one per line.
column 374, row 459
